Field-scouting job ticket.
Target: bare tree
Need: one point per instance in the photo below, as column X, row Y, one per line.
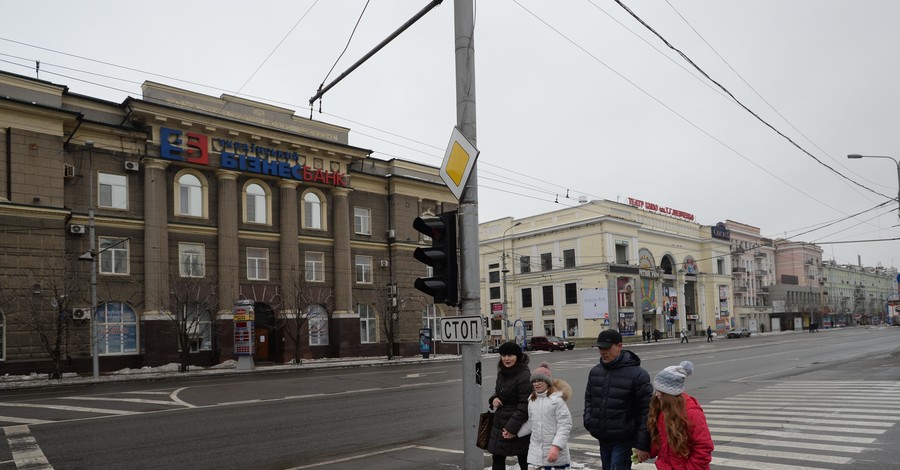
column 191, row 309
column 42, row 303
column 301, row 298
column 388, row 303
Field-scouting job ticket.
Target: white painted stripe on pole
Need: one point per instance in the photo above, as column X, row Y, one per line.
column 783, row 455
column 838, row 422
column 71, row 408
column 734, row 463
column 11, row 419
column 793, row 426
column 797, row 445
column 796, row 435
column 25, row 450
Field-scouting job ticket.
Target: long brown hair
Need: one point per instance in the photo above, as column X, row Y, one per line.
column 674, row 413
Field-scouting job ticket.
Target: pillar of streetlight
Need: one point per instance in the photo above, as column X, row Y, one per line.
column 503, row 271
column 92, row 244
column 896, row 162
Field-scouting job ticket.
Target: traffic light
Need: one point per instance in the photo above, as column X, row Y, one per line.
column 673, row 315
column 441, row 256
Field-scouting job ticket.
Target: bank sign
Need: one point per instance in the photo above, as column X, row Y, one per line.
column 191, row 147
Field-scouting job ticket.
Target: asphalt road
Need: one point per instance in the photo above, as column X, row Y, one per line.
column 409, row 416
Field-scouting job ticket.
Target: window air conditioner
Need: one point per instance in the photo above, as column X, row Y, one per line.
column 132, row 166
column 76, row 229
column 81, row 314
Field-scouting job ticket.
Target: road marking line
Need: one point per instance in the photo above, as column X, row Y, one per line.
column 758, row 465
column 24, row 420
column 797, row 435
column 355, row 457
column 794, row 444
column 783, row 455
column 771, row 408
column 127, row 400
column 174, row 397
column 25, row 450
column 71, row 408
column 787, row 425
column 839, row 422
column 785, row 413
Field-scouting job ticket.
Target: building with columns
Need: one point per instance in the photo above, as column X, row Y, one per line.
column 603, row 264
column 236, row 199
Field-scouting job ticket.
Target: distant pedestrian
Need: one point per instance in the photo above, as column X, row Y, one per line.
column 684, row 336
column 762, row 328
column 656, row 335
column 510, row 405
column 549, row 421
column 679, row 434
column 646, row 335
column 709, row 333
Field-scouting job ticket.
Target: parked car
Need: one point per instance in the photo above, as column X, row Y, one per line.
column 546, row 343
column 570, row 345
column 738, row 333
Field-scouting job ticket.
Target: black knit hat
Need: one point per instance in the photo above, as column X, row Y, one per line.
column 510, row 348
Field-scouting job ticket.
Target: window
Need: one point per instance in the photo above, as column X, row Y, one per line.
column 318, row 326
column 720, row 266
column 257, row 264
column 117, row 325
column 621, row 252
column 525, row 264
column 312, row 211
column 191, row 259
column 2, row 337
column 572, row 327
column 548, row 295
column 113, row 254
column 571, row 294
column 257, row 206
column 526, row 297
column 494, row 277
column 198, row 327
column 550, row 327
column 366, row 323
column 495, row 293
column 431, row 319
column 113, row 191
column 315, row 266
column 189, row 196
column 546, row 262
column 361, row 221
column 569, row 258
column 363, row 269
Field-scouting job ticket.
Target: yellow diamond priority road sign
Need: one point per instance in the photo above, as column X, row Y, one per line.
column 458, row 162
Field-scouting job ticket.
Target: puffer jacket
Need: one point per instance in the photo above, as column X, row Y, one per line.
column 549, row 423
column 617, row 400
column 513, row 388
column 701, row 443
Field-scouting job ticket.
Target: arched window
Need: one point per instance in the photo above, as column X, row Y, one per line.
column 318, row 326
column 312, row 211
column 256, row 204
column 117, row 325
column 190, row 195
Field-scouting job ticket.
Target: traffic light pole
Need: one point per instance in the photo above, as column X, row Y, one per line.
column 464, row 29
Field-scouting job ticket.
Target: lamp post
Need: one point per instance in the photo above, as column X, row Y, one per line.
column 92, row 244
column 504, row 270
column 896, row 162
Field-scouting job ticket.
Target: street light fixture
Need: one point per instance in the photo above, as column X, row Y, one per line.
column 504, row 270
column 896, row 162
column 95, row 328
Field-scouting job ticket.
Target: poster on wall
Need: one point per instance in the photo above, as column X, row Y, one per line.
column 596, row 303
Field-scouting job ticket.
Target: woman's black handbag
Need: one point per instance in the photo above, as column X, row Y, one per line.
column 485, row 422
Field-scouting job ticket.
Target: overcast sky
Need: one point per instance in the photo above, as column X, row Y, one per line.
column 574, row 98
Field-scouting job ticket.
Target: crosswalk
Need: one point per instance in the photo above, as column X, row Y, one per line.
column 796, row 425
column 74, row 407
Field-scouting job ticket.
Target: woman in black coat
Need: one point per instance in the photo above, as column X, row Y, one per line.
column 510, row 405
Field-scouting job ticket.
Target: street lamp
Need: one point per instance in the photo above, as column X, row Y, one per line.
column 856, row 156
column 504, row 270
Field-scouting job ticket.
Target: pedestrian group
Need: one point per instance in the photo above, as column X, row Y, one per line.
column 632, row 418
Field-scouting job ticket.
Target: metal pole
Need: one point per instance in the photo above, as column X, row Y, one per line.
column 503, row 271
column 464, row 30
column 95, row 333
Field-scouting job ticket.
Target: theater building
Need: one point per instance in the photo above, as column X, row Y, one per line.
column 233, row 199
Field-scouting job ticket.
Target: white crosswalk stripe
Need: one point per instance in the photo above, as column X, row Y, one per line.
column 801, row 424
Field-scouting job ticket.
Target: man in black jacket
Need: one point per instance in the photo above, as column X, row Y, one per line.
column 616, row 402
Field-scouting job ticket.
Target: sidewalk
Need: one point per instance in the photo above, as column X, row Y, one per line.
column 170, row 371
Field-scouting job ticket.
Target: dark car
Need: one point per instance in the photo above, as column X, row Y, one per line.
column 546, row 343
column 570, row 345
column 741, row 333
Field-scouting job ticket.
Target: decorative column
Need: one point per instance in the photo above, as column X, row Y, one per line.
column 229, row 257
column 346, row 321
column 156, row 236
column 289, row 247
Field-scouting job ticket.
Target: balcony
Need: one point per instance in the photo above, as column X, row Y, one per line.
column 737, row 270
column 759, row 255
column 740, row 289
column 762, row 273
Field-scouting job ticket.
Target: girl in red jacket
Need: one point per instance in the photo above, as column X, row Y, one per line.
column 679, row 435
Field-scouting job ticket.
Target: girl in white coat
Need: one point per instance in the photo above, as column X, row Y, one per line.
column 549, row 421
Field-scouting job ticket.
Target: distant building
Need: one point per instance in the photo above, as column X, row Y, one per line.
column 857, row 295
column 753, row 273
column 245, row 199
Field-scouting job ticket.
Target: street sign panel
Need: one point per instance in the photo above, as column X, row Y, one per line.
column 462, row 329
column 458, row 162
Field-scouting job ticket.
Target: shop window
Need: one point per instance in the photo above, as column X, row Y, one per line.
column 257, row 264
column 431, row 319
column 362, row 221
column 190, row 195
column 318, row 326
column 113, row 254
column 191, row 259
column 315, row 266
column 112, row 191
column 550, row 327
column 117, row 327
column 198, row 327
column 366, row 323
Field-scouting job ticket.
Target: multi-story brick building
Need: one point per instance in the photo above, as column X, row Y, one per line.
column 238, row 200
